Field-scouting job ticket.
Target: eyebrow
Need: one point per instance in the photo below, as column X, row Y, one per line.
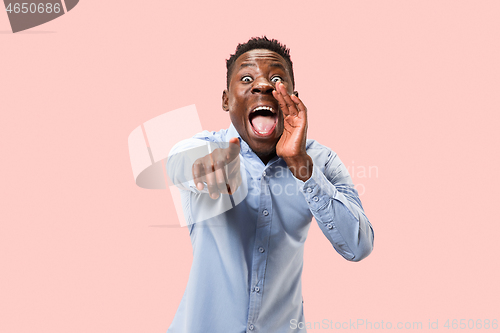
column 274, row 64
column 279, row 65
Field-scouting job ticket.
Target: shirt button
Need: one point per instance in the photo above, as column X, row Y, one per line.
column 250, row 327
column 265, row 212
column 261, row 249
column 256, row 289
column 315, row 198
column 329, row 226
column 309, row 190
column 264, row 174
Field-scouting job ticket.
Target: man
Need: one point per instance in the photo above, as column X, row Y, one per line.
column 247, row 259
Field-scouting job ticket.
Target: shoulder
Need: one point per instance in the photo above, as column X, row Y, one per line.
column 319, row 152
column 326, row 159
column 200, row 140
column 328, row 162
column 211, row 135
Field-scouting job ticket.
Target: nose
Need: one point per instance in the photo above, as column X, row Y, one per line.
column 262, row 86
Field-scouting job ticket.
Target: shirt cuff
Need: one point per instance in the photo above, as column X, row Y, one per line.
column 320, row 195
column 317, row 190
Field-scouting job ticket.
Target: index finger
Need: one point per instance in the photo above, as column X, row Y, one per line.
column 233, row 150
column 300, row 105
column 290, row 104
column 198, row 173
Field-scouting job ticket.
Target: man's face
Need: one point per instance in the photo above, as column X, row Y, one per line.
column 253, row 110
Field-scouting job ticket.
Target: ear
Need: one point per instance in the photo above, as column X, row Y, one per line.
column 296, row 93
column 225, row 101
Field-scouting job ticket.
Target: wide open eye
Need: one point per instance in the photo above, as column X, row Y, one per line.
column 276, row 79
column 247, row 78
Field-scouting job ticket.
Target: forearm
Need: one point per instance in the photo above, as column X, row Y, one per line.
column 180, row 161
column 339, row 214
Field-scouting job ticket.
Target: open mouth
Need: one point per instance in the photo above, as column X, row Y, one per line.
column 263, row 120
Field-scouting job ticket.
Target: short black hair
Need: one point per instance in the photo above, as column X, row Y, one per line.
column 259, row 43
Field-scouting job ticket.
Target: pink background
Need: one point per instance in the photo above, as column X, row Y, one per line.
column 409, row 87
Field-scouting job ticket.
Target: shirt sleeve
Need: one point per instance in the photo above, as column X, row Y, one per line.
column 335, row 204
column 197, row 205
column 180, row 161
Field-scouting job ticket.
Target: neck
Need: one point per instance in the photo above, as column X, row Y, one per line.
column 266, row 158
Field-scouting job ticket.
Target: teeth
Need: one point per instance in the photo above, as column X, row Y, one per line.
column 263, row 108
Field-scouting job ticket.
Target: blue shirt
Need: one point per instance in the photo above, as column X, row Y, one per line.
column 247, row 259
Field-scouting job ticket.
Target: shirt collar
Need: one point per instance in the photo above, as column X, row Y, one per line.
column 231, row 133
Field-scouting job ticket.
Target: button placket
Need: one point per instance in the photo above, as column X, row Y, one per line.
column 260, row 254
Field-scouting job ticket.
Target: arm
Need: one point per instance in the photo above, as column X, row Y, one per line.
column 195, row 166
column 331, row 196
column 335, row 205
column 180, row 160
column 199, row 171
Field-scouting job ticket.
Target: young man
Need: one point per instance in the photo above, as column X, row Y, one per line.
column 248, row 256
